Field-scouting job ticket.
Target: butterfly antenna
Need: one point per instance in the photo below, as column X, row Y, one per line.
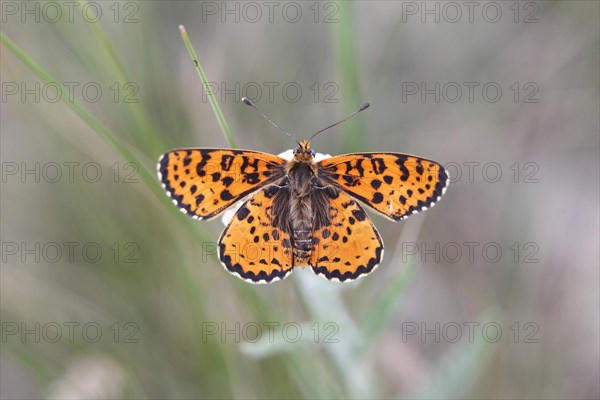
column 247, row 101
column 361, row 108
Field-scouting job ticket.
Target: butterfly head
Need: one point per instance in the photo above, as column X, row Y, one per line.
column 303, row 152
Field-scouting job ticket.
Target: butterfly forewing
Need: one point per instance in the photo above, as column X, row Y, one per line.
column 205, row 182
column 349, row 246
column 252, row 246
column 396, row 185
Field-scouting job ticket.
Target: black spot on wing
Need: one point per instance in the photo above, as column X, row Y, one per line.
column 226, row 195
column 226, row 162
column 375, row 184
column 359, row 214
column 400, row 160
column 351, row 180
column 243, row 213
column 253, row 178
column 377, row 198
column 378, row 165
column 227, row 181
column 200, row 167
column 356, row 166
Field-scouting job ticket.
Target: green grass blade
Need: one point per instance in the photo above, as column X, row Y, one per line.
column 347, row 67
column 211, row 96
column 146, row 175
column 146, row 132
column 84, row 115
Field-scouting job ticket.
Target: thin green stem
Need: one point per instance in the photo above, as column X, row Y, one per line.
column 145, row 130
column 344, row 39
column 211, row 96
column 147, row 176
column 83, row 114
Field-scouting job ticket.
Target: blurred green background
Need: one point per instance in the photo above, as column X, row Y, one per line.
column 109, row 292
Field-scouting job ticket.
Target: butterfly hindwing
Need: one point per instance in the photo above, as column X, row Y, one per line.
column 396, row 185
column 252, row 246
column 205, row 182
column 349, row 246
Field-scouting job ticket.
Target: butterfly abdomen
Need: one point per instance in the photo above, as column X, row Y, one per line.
column 301, row 175
column 301, row 221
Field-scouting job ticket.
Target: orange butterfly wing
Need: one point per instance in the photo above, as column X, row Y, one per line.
column 349, row 247
column 205, row 182
column 396, row 185
column 251, row 247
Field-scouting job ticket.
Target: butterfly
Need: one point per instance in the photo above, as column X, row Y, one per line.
column 299, row 212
